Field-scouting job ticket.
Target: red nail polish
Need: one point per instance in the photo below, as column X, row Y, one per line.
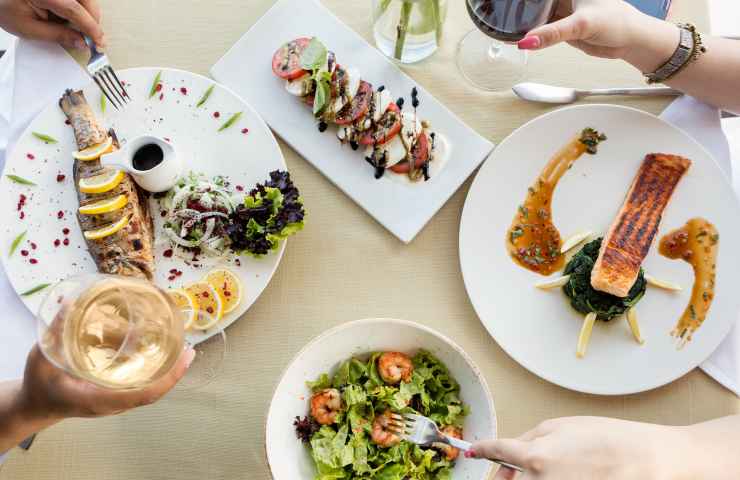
column 470, row 454
column 529, row 43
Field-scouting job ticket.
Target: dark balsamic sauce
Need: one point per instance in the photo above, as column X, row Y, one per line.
column 323, row 126
column 148, row 157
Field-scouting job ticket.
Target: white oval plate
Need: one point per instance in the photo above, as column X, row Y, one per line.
column 539, row 329
column 245, row 159
column 289, row 459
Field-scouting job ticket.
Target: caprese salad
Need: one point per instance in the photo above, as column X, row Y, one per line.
column 395, row 140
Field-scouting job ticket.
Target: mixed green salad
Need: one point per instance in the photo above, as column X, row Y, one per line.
column 345, row 429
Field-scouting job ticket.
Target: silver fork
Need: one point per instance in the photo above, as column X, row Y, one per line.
column 105, row 77
column 424, row 431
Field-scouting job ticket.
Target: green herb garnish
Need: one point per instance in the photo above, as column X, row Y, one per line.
column 314, row 56
column 205, row 96
column 102, row 103
column 44, row 138
column 714, row 238
column 35, row 289
column 524, row 211
column 585, row 299
column 153, row 90
column 21, row 180
column 591, row 138
column 231, row 121
column 16, row 243
column 516, row 232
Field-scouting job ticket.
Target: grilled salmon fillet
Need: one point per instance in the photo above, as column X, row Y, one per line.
column 631, row 235
column 130, row 251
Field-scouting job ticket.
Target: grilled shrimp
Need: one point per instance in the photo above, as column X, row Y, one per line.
column 384, row 433
column 394, row 367
column 325, row 405
column 449, row 451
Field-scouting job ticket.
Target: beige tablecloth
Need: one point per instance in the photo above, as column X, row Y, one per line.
column 344, row 266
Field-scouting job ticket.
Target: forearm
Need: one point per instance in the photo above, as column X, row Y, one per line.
column 713, row 78
column 714, row 448
column 16, row 421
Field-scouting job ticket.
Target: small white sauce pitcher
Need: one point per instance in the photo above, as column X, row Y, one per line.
column 158, row 179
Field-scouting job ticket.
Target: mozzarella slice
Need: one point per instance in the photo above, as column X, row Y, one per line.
column 300, row 86
column 382, row 100
column 395, row 148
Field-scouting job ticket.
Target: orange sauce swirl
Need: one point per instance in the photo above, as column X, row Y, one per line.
column 697, row 243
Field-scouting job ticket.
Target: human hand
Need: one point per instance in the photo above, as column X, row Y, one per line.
column 590, row 447
column 31, row 19
column 53, row 394
column 607, row 29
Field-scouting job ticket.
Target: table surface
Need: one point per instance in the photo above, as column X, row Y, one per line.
column 218, row 432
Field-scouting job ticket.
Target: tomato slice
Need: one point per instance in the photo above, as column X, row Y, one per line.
column 388, row 127
column 358, row 107
column 286, row 62
column 419, row 152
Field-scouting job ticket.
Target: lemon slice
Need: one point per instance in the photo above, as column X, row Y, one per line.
column 204, row 321
column 554, row 283
column 187, row 303
column 94, row 152
column 105, row 182
column 107, row 230
column 105, row 206
column 634, row 326
column 209, row 300
column 228, row 285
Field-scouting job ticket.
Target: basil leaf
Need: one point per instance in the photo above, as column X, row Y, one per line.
column 35, row 289
column 21, row 180
column 321, row 96
column 153, row 90
column 205, row 97
column 16, row 243
column 314, row 56
column 44, row 138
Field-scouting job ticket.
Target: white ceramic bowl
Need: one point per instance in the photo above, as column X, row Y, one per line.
column 289, row 459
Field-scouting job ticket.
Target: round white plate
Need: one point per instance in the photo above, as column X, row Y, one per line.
column 244, row 158
column 289, row 459
column 538, row 328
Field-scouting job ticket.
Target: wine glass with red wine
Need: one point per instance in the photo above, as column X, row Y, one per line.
column 488, row 57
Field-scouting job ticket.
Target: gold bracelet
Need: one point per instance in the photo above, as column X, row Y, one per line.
column 689, row 49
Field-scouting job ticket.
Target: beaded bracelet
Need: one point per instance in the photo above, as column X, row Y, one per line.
column 690, row 47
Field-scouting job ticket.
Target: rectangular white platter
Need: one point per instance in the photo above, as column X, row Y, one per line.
column 400, row 207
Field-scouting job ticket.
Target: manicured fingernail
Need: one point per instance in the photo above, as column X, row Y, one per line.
column 470, row 454
column 529, row 43
column 80, row 44
column 189, row 357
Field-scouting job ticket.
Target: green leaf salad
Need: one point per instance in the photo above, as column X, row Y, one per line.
column 345, row 432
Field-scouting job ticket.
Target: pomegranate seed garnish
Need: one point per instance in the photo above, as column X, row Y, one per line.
column 209, row 310
column 183, row 90
column 161, row 96
column 66, row 242
column 60, row 214
column 227, row 293
column 24, row 253
column 173, row 271
column 67, row 121
column 159, row 88
column 206, row 294
column 22, row 215
column 30, row 156
column 178, row 273
column 57, row 242
column 166, row 139
column 245, row 130
column 60, row 177
column 216, row 114
column 239, row 188
column 65, row 231
column 33, row 261
column 167, row 253
column 171, row 278
column 33, row 246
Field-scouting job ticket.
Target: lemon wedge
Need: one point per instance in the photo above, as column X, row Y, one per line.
column 187, row 303
column 228, row 285
column 203, row 321
column 585, row 335
column 105, row 206
column 209, row 301
column 107, row 230
column 94, row 152
column 105, row 182
column 634, row 326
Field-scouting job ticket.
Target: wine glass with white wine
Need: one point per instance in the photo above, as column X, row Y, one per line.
column 120, row 333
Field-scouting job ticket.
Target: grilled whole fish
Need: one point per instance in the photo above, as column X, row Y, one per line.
column 128, row 252
column 631, row 235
